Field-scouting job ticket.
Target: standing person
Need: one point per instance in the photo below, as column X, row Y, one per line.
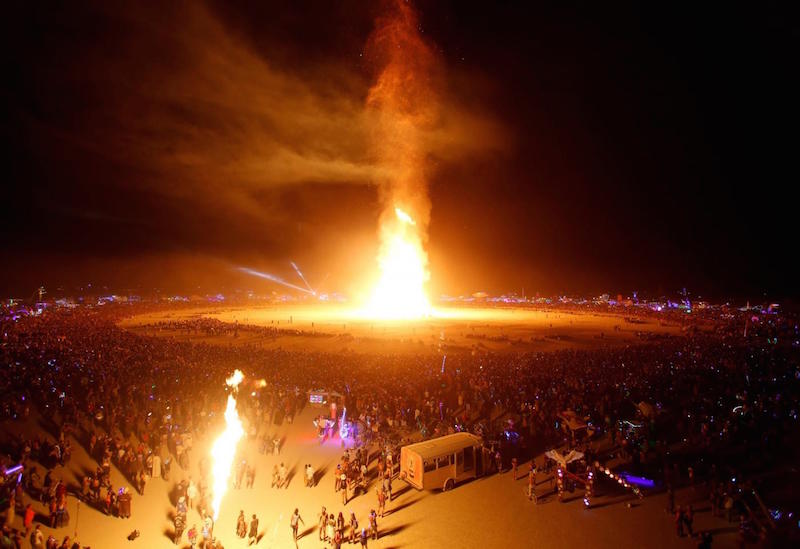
column 179, row 523
column 192, row 535
column 125, row 503
column 181, row 507
column 353, row 527
column 323, row 520
column 387, row 484
column 207, row 528
column 251, row 475
column 381, row 502
column 336, row 543
column 364, row 537
column 373, row 523
column 241, row 525
column 282, row 477
column 191, row 494
column 679, row 519
column 142, row 481
column 532, row 483
column 27, row 522
column 253, row 535
column 37, row 538
column 310, row 476
column 689, row 519
column 340, row 525
column 330, row 527
column 11, row 512
column 294, row 522
column 275, row 476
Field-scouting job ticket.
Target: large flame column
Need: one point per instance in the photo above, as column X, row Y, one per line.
column 403, row 106
column 400, row 292
column 223, row 451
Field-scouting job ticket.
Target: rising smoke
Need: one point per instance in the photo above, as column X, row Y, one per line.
column 179, row 106
column 404, row 110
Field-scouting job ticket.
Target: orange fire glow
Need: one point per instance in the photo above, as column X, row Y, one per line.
column 224, row 449
column 404, row 106
column 400, row 292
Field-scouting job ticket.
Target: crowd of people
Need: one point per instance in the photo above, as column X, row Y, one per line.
column 125, row 397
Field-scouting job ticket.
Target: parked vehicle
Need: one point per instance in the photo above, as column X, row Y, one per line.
column 442, row 462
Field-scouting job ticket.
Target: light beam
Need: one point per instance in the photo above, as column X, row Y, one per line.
column 273, row 278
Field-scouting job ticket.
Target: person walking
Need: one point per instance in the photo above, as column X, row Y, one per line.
column 252, row 536
column 294, row 522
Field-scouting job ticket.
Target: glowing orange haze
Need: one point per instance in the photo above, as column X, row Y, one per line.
column 404, row 105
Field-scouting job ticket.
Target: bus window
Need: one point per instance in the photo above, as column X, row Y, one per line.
column 469, row 458
column 430, row 466
column 443, row 461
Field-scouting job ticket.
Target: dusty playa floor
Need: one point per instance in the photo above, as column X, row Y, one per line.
column 451, row 329
column 488, row 512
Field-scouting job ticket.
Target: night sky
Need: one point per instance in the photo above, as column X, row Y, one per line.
column 581, row 149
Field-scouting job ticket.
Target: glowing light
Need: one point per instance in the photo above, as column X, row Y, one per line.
column 404, row 217
column 273, row 278
column 235, row 379
column 400, row 292
column 403, row 106
column 224, row 449
column 300, row 273
column 344, row 431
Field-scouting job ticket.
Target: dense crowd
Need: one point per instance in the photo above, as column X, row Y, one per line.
column 127, row 396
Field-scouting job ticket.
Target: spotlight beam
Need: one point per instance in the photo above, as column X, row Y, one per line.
column 297, row 270
column 273, row 278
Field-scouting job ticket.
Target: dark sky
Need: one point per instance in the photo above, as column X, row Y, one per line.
column 581, row 149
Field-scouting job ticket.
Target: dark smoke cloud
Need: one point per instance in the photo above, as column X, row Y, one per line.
column 193, row 105
column 176, row 120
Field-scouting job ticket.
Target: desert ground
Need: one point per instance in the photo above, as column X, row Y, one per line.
column 334, row 329
column 488, row 512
